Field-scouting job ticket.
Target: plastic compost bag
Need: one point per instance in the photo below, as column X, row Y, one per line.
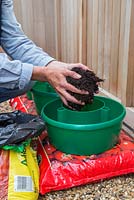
column 18, row 127
column 60, row 171
column 19, row 175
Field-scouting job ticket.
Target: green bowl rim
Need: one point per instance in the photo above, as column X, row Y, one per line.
column 35, row 90
column 85, row 126
column 46, row 93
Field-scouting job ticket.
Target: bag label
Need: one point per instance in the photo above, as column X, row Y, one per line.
column 23, row 184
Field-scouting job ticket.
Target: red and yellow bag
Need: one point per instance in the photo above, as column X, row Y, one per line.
column 19, row 175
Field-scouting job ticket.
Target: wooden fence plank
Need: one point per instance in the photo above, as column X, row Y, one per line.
column 89, row 32
column 70, row 11
column 83, row 39
column 101, row 31
column 27, row 17
column 57, row 6
column 124, row 49
column 130, row 78
column 107, row 43
column 115, row 46
column 95, row 36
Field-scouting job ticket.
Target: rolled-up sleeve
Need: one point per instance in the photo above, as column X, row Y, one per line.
column 23, row 52
column 14, row 74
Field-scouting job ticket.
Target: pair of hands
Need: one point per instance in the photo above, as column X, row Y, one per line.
column 55, row 74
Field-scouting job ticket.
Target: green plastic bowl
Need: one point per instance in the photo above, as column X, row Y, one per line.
column 92, row 137
column 42, row 93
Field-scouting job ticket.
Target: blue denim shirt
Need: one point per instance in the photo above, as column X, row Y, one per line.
column 16, row 72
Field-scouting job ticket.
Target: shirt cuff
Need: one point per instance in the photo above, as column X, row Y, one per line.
column 27, row 70
column 26, row 75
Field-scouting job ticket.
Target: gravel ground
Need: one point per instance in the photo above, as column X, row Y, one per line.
column 119, row 188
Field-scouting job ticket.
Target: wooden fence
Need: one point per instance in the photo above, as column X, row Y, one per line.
column 98, row 33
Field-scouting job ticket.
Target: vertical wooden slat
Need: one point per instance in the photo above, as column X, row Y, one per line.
column 115, row 46
column 79, row 28
column 130, row 78
column 80, row 31
column 83, row 36
column 107, row 43
column 70, row 11
column 27, row 17
column 38, row 23
column 124, row 49
column 101, row 31
column 50, row 31
column 18, row 10
column 89, row 31
column 57, row 6
column 95, row 36
column 44, row 21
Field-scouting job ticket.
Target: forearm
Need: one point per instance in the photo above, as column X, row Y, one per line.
column 26, row 55
column 38, row 74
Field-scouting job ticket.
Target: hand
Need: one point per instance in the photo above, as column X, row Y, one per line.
column 55, row 73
